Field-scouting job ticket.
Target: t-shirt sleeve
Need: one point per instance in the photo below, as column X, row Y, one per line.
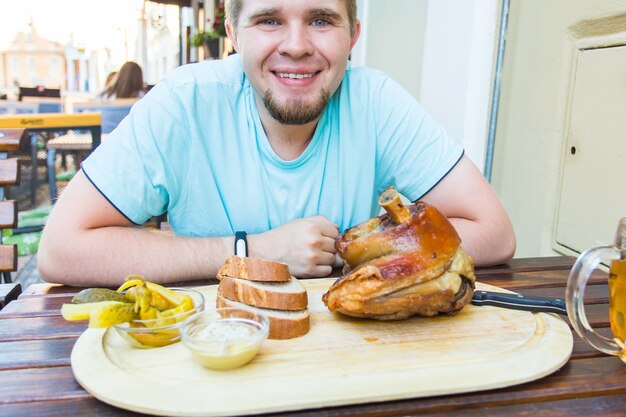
column 130, row 168
column 413, row 151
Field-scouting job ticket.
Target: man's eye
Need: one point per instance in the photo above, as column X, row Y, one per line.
column 270, row 22
column 320, row 22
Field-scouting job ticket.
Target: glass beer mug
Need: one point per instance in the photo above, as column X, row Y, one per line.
column 574, row 295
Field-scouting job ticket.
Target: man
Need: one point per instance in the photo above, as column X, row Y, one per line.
column 282, row 141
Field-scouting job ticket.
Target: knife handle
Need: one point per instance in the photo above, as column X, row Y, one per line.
column 519, row 302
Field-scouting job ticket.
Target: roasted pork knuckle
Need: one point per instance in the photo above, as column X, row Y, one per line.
column 406, row 262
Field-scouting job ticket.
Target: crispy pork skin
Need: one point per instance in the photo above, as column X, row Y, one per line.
column 406, row 262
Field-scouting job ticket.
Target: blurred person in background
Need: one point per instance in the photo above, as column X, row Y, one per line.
column 110, row 79
column 128, row 83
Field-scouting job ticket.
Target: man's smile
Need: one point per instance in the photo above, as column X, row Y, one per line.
column 294, row 75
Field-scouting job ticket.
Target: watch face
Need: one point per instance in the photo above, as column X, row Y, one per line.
column 241, row 244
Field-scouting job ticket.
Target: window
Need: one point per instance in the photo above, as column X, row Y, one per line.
column 54, row 67
column 31, row 67
column 14, row 67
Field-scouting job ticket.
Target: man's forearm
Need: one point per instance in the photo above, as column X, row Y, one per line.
column 105, row 256
column 488, row 245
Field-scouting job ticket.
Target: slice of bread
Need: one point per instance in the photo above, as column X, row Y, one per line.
column 290, row 295
column 254, row 269
column 283, row 324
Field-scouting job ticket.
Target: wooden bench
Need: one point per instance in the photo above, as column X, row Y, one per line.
column 8, row 293
column 10, row 140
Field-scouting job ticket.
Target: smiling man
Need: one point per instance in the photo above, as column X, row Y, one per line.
column 282, row 140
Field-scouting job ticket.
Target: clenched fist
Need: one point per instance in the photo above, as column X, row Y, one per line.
column 307, row 245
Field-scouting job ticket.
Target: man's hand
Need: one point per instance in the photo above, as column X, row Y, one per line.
column 306, row 245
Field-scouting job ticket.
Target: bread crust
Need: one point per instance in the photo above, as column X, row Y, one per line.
column 280, row 327
column 254, row 269
column 264, row 295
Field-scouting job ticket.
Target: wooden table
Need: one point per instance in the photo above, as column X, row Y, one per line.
column 12, row 139
column 36, row 377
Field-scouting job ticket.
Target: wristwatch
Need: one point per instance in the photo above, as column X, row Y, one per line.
column 241, row 244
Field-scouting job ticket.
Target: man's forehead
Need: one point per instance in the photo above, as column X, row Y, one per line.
column 253, row 7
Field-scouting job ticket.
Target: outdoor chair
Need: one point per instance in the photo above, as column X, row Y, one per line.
column 88, row 124
column 18, row 107
column 112, row 111
column 10, row 140
column 45, row 104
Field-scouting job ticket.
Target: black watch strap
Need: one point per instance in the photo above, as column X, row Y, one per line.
column 241, row 244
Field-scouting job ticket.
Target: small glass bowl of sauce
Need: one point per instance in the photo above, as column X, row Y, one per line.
column 225, row 338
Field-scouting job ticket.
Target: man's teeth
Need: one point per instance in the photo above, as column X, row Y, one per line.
column 292, row 75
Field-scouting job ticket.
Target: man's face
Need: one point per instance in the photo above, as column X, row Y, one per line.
column 294, row 53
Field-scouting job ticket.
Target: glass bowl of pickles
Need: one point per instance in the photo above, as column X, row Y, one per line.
column 143, row 313
column 162, row 327
column 225, row 338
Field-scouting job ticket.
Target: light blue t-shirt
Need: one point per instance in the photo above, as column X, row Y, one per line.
column 195, row 147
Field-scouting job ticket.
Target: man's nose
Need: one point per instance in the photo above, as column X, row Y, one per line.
column 296, row 41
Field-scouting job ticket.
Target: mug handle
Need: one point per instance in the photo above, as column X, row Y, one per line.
column 584, row 266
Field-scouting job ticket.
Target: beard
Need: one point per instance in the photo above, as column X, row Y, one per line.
column 295, row 112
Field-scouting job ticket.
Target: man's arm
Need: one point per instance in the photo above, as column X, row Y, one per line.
column 87, row 241
column 474, row 209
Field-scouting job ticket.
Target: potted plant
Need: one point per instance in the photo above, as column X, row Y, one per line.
column 209, row 39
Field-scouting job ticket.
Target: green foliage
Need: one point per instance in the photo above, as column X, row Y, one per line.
column 218, row 30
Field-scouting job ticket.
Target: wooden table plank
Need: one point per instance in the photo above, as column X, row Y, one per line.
column 48, row 290
column 35, row 306
column 594, row 294
column 573, row 407
column 24, row 385
column 612, row 405
column 39, row 328
column 65, row 408
column 530, row 264
column 534, row 280
column 36, row 353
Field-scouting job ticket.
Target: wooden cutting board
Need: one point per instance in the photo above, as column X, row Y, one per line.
column 340, row 361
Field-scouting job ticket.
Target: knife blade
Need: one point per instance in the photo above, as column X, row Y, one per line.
column 519, row 302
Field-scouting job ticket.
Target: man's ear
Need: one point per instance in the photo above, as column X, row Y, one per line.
column 357, row 32
column 230, row 31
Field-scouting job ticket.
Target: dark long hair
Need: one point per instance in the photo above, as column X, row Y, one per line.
column 129, row 82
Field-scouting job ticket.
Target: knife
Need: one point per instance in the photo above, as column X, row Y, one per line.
column 519, row 302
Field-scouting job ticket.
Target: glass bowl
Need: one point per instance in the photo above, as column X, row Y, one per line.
column 162, row 331
column 225, row 338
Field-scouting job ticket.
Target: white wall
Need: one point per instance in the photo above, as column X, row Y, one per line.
column 534, row 111
column 442, row 52
column 394, row 39
column 457, row 69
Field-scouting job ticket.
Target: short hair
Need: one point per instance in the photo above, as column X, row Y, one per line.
column 233, row 10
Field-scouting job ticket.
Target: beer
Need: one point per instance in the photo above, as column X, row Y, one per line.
column 576, row 282
column 617, row 299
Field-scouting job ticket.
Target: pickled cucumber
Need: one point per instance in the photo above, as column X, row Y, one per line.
column 94, row 295
column 157, row 338
column 111, row 314
column 73, row 312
